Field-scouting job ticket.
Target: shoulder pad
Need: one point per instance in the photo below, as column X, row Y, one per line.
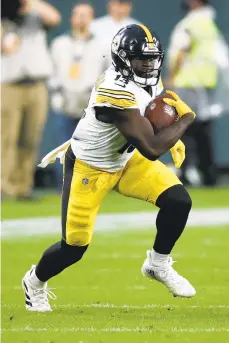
column 112, row 91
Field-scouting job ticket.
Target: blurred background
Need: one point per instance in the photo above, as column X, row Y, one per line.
column 52, row 53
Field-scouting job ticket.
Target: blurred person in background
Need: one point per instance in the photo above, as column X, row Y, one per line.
column 193, row 72
column 105, row 27
column 26, row 64
column 78, row 62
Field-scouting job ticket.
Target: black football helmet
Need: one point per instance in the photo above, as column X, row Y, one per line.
column 137, row 42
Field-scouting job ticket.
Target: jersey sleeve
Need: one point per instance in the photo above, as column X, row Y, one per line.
column 110, row 94
column 160, row 87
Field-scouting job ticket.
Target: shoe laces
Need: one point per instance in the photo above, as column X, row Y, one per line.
column 171, row 261
column 42, row 295
column 168, row 271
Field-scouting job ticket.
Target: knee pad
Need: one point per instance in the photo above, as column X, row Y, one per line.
column 79, row 238
column 175, row 197
column 80, row 224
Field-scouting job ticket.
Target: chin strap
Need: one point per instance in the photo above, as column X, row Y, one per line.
column 142, row 82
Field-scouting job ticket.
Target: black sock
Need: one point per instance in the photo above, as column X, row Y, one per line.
column 56, row 258
column 175, row 205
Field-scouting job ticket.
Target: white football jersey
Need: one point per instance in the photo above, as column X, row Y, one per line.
column 99, row 144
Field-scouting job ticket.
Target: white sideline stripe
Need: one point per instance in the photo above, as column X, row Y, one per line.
column 131, row 307
column 140, row 307
column 200, row 330
column 120, row 222
column 115, row 329
column 132, row 287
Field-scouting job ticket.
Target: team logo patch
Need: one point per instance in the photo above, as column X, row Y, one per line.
column 150, row 272
column 85, row 181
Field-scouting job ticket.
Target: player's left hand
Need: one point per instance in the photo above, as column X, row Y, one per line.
column 181, row 107
column 178, row 153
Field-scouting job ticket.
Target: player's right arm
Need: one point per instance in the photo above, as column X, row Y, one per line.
column 139, row 132
column 117, row 105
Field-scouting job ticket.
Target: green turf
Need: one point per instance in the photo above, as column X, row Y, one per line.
column 110, row 274
column 50, row 205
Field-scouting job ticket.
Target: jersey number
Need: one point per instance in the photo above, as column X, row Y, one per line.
column 120, row 81
column 127, row 147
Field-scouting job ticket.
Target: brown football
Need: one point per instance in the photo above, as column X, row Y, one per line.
column 161, row 114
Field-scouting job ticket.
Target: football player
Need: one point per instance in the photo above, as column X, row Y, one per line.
column 114, row 147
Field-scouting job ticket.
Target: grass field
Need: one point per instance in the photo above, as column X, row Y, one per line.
column 105, row 299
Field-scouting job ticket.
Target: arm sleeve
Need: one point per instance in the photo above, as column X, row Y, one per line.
column 54, row 81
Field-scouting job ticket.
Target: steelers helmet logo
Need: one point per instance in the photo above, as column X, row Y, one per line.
column 115, row 44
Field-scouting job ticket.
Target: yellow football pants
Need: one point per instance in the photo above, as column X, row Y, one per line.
column 85, row 187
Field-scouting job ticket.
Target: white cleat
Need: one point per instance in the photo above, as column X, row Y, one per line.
column 36, row 299
column 176, row 284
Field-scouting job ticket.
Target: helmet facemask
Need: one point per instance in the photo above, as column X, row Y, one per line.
column 143, row 66
column 146, row 70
